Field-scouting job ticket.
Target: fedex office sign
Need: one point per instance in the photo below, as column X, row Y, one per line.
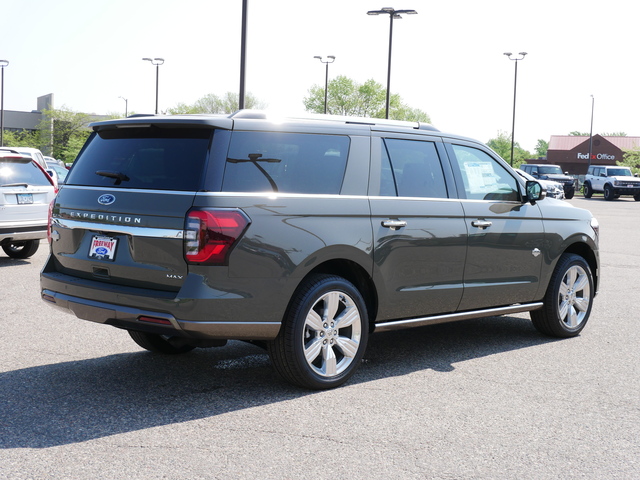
column 600, row 156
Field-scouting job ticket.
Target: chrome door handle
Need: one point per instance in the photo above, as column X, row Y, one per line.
column 394, row 224
column 481, row 224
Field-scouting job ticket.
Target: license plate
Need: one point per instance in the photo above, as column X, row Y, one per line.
column 103, row 248
column 24, row 198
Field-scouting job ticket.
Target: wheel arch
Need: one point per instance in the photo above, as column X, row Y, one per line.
column 586, row 252
column 354, row 273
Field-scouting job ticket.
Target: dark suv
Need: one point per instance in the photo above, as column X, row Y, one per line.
column 306, row 235
column 554, row 173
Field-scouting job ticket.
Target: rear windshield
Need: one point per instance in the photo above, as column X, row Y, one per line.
column 285, row 162
column 146, row 157
column 17, row 173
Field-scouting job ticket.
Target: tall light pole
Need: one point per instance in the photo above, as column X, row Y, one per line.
column 3, row 63
column 243, row 56
column 330, row 59
column 515, row 84
column 157, row 62
column 591, row 132
column 393, row 14
column 126, row 106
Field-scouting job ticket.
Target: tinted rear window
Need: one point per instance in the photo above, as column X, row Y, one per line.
column 20, row 173
column 148, row 158
column 285, row 162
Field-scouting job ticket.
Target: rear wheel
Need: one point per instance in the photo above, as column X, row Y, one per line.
column 569, row 194
column 568, row 301
column 324, row 334
column 21, row 249
column 636, row 197
column 159, row 343
column 608, row 192
column 588, row 191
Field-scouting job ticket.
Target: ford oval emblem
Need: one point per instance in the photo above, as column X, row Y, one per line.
column 106, row 199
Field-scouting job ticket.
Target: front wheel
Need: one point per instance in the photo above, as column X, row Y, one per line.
column 159, row 343
column 608, row 192
column 569, row 193
column 569, row 298
column 324, row 334
column 21, row 249
column 588, row 191
column 636, row 197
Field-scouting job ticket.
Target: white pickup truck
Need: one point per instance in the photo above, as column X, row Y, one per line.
column 612, row 181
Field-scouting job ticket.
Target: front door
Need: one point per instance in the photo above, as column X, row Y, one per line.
column 506, row 236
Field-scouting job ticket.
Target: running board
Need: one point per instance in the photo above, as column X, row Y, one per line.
column 454, row 317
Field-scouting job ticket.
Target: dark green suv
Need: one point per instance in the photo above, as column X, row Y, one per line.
column 306, row 235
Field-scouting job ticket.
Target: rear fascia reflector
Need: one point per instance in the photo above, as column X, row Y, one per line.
column 157, row 321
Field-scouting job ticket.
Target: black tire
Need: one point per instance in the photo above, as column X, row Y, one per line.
column 159, row 343
column 570, row 193
column 608, row 192
column 588, row 191
column 569, row 298
column 636, row 197
column 21, row 249
column 324, row 334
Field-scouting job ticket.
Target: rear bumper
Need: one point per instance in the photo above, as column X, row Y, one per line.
column 8, row 235
column 150, row 320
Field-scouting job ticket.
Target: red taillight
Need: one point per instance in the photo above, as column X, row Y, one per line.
column 210, row 234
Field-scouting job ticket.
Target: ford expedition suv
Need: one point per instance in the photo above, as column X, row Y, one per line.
column 306, row 235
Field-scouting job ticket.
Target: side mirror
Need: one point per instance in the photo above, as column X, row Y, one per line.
column 535, row 192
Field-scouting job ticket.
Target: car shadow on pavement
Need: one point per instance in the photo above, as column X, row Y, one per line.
column 77, row 401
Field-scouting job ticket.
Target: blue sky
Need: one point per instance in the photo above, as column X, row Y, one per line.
column 447, row 60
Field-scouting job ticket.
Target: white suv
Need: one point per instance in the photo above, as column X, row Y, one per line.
column 25, row 194
column 612, row 181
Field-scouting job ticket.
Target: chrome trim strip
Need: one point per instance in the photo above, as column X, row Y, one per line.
column 124, row 229
column 189, row 193
column 454, row 317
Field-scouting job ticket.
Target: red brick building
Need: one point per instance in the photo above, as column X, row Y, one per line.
column 572, row 152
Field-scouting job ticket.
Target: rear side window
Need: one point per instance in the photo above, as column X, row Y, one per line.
column 18, row 173
column 415, row 167
column 147, row 157
column 285, row 162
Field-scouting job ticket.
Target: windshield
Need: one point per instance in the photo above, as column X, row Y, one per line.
column 619, row 172
column 550, row 170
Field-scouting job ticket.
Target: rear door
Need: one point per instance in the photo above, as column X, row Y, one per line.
column 120, row 217
column 419, row 232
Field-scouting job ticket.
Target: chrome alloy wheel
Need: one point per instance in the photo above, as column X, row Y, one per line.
column 574, row 297
column 332, row 334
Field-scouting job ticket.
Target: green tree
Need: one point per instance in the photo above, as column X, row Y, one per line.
column 212, row 103
column 502, row 146
column 582, row 134
column 541, row 148
column 63, row 132
column 347, row 97
column 631, row 159
column 24, row 138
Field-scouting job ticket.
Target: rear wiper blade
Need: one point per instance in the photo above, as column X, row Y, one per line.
column 119, row 176
column 255, row 158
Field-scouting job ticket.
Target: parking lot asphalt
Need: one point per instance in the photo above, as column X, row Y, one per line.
column 481, row 399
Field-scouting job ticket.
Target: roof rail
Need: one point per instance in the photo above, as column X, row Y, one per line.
column 263, row 115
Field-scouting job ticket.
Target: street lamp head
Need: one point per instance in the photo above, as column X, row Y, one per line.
column 154, row 61
column 332, row 57
column 508, row 54
column 392, row 12
column 4, row 63
column 329, row 58
column 522, row 53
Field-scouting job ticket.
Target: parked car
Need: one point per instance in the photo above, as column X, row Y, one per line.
column 553, row 173
column 26, row 192
column 612, row 181
column 51, row 160
column 552, row 189
column 306, row 235
column 60, row 172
